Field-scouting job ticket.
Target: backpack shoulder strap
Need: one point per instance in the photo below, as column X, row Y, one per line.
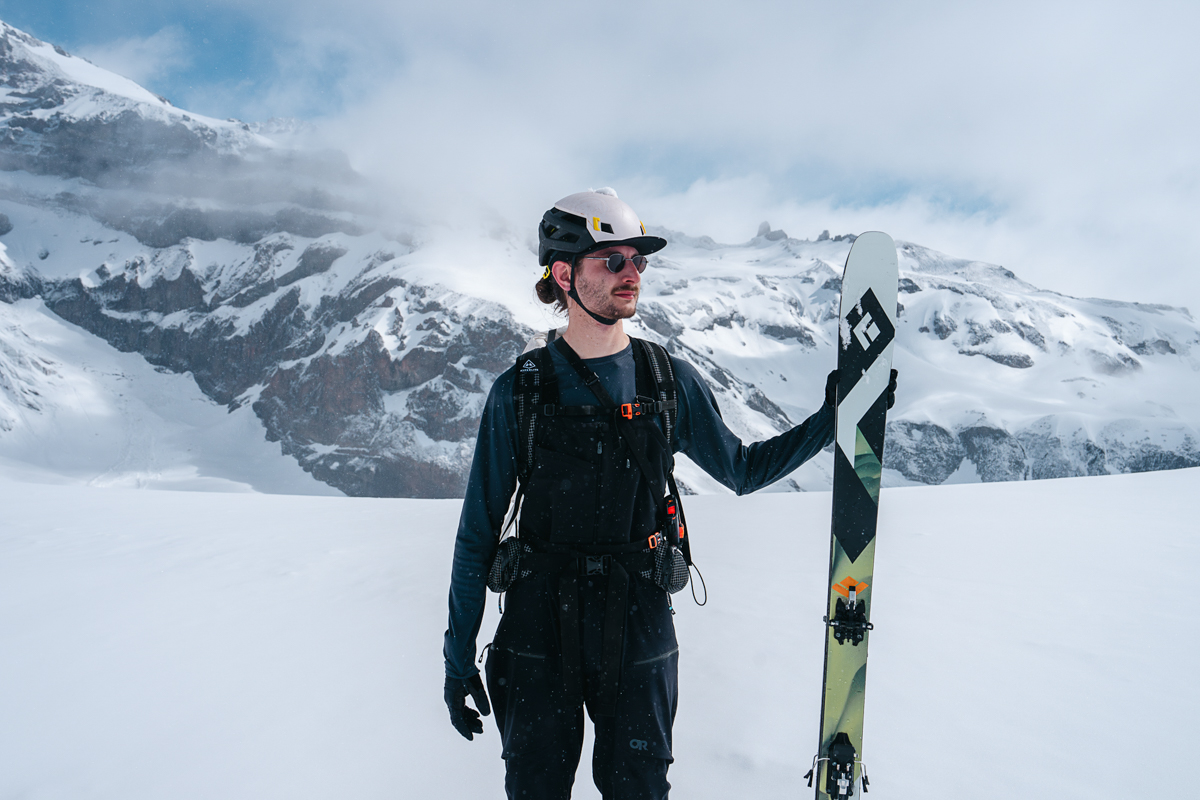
column 535, row 386
column 654, row 360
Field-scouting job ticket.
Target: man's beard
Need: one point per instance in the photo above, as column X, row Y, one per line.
column 603, row 303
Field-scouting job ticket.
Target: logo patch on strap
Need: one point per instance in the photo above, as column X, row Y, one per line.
column 529, row 366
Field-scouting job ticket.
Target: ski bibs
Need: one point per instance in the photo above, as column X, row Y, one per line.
column 593, row 503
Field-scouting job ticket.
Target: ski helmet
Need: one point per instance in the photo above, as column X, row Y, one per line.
column 590, row 220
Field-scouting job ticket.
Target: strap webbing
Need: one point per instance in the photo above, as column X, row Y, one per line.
column 664, row 381
column 685, row 543
column 535, row 388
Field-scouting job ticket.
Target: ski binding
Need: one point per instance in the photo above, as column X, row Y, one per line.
column 839, row 774
column 850, row 619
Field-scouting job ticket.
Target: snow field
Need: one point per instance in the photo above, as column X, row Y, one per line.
column 1036, row 634
column 192, row 645
column 174, row 644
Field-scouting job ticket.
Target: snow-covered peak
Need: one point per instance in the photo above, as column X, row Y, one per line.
column 54, row 105
column 36, row 61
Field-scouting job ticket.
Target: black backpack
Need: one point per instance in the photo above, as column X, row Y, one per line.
column 535, row 394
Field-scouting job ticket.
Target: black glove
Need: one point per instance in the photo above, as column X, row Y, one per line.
column 831, row 389
column 464, row 718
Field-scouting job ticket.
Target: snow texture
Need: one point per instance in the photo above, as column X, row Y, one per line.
column 185, row 645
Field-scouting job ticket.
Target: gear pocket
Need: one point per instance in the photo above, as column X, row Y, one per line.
column 670, row 568
column 506, row 566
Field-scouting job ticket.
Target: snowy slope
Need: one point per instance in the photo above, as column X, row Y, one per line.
column 73, row 409
column 163, row 644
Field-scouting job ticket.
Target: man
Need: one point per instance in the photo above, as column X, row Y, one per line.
column 584, row 430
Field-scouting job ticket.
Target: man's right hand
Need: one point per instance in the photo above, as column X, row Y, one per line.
column 464, row 718
column 831, row 384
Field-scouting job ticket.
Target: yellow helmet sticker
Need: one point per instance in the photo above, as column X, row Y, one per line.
column 643, row 227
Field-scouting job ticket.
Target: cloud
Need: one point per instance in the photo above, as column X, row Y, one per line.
column 145, row 60
column 1056, row 138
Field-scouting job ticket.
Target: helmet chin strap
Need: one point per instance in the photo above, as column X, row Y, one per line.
column 574, row 295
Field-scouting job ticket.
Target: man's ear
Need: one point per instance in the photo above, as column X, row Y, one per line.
column 561, row 272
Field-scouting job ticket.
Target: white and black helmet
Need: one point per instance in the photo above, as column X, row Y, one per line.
column 587, row 221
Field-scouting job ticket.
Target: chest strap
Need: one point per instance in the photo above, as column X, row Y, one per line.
column 642, row 408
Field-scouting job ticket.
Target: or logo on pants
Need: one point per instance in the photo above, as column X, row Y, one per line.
column 639, row 744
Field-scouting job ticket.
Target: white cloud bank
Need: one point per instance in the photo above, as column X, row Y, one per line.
column 142, row 59
column 1056, row 138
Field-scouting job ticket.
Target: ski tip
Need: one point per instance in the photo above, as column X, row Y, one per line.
column 874, row 239
column 873, row 248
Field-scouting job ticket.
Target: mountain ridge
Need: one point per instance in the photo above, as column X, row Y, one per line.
column 367, row 355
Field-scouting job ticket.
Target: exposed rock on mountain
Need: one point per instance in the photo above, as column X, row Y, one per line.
column 996, row 454
column 923, row 451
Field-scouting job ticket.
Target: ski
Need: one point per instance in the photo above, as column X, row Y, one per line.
column 866, row 340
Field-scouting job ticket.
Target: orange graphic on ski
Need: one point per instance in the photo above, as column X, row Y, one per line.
column 846, row 584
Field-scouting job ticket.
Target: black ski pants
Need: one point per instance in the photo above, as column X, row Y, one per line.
column 542, row 728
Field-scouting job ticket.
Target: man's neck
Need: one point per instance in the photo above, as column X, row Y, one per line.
column 590, row 339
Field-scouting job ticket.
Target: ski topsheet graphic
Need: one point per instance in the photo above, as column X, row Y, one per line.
column 866, row 340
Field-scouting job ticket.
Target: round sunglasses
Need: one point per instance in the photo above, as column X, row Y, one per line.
column 616, row 262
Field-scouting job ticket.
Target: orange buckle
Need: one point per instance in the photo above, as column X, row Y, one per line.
column 682, row 532
column 627, row 410
column 652, row 539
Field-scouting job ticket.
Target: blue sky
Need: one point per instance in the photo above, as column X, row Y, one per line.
column 221, row 60
column 1056, row 138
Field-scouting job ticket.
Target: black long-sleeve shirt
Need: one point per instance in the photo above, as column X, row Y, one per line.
column 700, row 433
